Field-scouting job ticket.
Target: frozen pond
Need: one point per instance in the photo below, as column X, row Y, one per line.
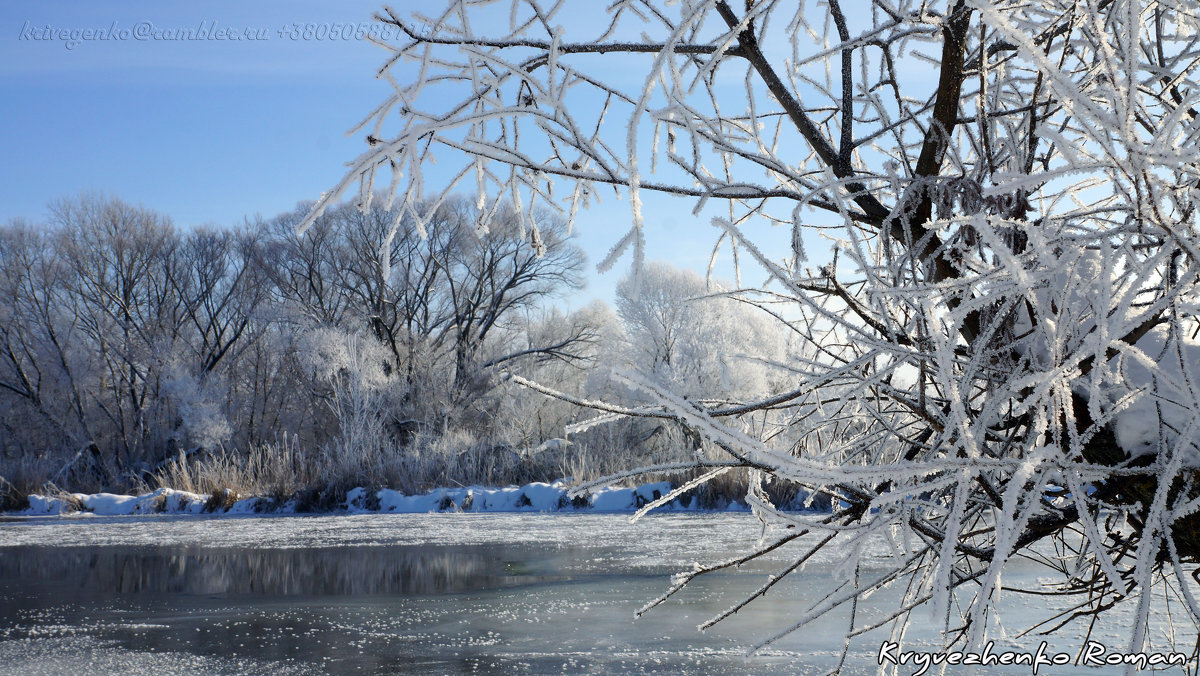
column 430, row 593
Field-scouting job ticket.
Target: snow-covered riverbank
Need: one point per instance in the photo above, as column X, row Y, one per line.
column 532, row 497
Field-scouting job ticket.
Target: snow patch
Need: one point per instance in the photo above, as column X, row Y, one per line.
column 164, row 500
column 532, row 497
column 1161, row 402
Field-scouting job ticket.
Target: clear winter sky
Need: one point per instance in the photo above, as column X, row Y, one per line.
column 213, row 132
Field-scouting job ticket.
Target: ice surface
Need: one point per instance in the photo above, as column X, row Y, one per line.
column 557, row 595
column 694, row 535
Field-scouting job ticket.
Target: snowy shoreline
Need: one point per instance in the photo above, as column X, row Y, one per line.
column 532, row 497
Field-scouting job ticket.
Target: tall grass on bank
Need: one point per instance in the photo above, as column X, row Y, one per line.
column 318, row 479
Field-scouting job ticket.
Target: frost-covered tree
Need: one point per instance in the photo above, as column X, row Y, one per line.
column 123, row 339
column 40, row 373
column 694, row 338
column 448, row 285
column 1001, row 353
column 431, row 312
column 707, row 345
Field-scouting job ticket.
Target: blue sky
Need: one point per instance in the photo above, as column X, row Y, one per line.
column 207, row 131
column 216, row 131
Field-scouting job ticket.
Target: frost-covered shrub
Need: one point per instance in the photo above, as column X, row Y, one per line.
column 202, row 418
column 362, row 390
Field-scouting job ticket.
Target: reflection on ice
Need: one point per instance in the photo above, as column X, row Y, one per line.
column 266, row 572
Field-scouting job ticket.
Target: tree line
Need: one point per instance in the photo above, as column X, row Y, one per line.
column 133, row 351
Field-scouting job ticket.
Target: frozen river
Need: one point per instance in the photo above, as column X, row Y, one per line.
column 427, row 594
